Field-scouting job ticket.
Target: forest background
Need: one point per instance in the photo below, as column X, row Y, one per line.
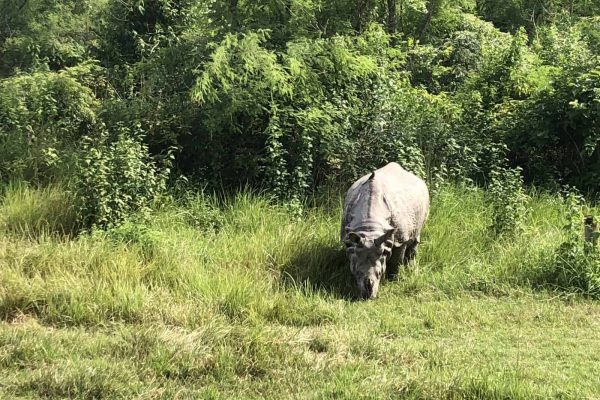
column 291, row 95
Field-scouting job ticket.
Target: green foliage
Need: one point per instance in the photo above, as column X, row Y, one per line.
column 511, row 15
column 42, row 117
column 508, row 199
column 116, row 177
column 590, row 32
column 287, row 96
column 565, row 121
column 45, row 34
column 564, row 45
column 131, row 30
column 307, row 113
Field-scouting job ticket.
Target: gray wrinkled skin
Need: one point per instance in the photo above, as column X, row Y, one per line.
column 382, row 219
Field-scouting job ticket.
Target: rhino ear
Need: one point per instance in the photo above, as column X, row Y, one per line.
column 387, row 239
column 353, row 239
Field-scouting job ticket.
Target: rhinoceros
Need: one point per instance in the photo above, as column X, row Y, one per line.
column 383, row 215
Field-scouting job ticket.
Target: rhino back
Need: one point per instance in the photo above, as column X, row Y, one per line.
column 393, row 198
column 408, row 199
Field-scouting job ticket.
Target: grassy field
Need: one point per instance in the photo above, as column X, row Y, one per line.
column 247, row 300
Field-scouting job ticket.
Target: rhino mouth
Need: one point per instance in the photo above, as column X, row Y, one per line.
column 368, row 289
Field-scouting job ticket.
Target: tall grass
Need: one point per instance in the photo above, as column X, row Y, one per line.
column 241, row 298
column 259, row 257
column 35, row 212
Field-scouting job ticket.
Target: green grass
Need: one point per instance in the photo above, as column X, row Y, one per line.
column 37, row 212
column 251, row 302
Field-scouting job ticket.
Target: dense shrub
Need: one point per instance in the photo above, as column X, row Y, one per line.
column 116, row 177
column 508, row 199
column 41, row 35
column 324, row 111
column 42, row 116
column 565, row 123
column 131, row 30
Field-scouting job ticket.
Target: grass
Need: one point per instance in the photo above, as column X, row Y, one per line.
column 249, row 301
column 37, row 212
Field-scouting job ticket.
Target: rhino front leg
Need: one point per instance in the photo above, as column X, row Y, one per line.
column 393, row 263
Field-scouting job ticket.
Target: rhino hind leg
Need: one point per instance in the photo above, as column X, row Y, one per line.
column 411, row 251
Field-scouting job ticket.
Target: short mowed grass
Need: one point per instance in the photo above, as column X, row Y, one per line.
column 240, row 298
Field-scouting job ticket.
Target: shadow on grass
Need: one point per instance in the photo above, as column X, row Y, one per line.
column 567, row 275
column 322, row 268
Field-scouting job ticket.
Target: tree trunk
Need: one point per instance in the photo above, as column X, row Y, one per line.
column 233, row 14
column 432, row 6
column 391, row 17
column 360, row 9
column 402, row 17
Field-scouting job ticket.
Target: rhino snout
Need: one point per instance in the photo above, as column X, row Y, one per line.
column 369, row 288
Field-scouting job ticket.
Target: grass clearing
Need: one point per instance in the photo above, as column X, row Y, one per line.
column 247, row 301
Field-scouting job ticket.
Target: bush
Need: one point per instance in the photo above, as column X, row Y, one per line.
column 42, row 117
column 116, row 178
column 508, row 199
column 45, row 34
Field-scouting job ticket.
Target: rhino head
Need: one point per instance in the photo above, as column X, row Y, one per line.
column 368, row 259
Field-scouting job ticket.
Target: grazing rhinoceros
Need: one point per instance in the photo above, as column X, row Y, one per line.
column 383, row 215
